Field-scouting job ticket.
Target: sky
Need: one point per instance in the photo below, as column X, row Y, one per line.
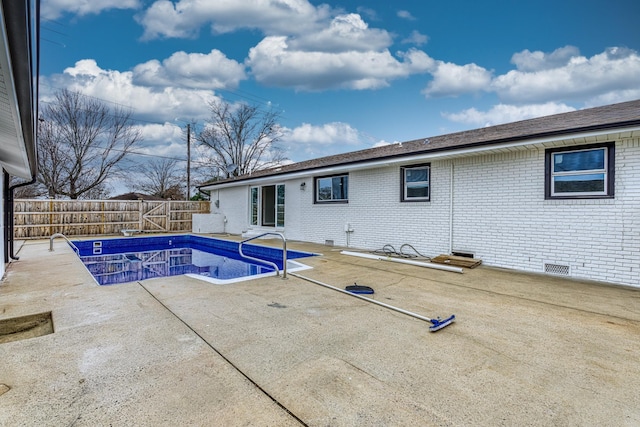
column 343, row 75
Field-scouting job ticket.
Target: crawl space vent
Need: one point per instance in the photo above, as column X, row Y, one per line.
column 557, row 269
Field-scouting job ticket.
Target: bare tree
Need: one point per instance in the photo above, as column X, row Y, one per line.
column 162, row 178
column 243, row 138
column 81, row 141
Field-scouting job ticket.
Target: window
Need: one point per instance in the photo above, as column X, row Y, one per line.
column 332, row 189
column 254, row 206
column 280, row 205
column 580, row 172
column 415, row 183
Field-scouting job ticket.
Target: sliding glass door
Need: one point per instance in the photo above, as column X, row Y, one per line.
column 267, row 205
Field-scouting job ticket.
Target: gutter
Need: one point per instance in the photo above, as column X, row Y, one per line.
column 21, row 22
column 442, row 153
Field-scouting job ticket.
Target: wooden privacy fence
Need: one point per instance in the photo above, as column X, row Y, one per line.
column 36, row 219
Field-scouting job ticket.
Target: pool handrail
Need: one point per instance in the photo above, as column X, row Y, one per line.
column 284, row 253
column 53, row 236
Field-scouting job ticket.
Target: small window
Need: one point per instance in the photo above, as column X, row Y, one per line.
column 254, row 205
column 415, row 183
column 332, row 189
column 580, row 172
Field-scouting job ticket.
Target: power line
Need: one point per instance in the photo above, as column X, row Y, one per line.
column 371, row 143
column 54, row 31
column 54, row 42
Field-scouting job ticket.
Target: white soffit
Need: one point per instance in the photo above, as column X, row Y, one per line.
column 13, row 152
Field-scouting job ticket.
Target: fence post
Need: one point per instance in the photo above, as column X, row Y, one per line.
column 140, row 215
column 50, row 205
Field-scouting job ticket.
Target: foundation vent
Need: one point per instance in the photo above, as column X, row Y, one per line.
column 463, row 254
column 557, row 269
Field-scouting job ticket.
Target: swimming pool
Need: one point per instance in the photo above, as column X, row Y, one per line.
column 112, row 261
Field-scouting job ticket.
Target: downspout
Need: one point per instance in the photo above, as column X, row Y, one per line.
column 10, row 215
column 451, row 209
column 5, row 222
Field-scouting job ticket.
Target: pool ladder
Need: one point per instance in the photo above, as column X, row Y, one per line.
column 53, row 236
column 273, row 264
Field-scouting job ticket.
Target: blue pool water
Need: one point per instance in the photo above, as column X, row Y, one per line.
column 124, row 260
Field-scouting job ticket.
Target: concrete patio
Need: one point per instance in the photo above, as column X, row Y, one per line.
column 525, row 350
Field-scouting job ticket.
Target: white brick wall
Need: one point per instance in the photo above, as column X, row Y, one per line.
column 234, row 205
column 376, row 215
column 499, row 214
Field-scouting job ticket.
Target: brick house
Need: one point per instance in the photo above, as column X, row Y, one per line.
column 557, row 194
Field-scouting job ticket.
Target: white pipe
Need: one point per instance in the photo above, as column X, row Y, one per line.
column 451, row 209
column 405, row 261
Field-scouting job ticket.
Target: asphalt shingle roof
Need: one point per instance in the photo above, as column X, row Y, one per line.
column 598, row 118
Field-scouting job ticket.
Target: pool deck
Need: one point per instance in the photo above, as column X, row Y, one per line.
column 525, row 350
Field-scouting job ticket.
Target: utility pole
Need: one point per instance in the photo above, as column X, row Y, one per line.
column 188, row 161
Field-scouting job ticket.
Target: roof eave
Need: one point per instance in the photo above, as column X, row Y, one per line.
column 18, row 69
column 632, row 126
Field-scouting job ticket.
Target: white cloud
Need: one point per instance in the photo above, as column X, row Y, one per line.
column 405, row 14
column 541, row 82
column 503, row 113
column 451, row 79
column 344, row 33
column 185, row 17
column 166, row 140
column 172, row 135
column 614, row 71
column 309, row 141
column 191, row 70
column 53, row 9
column 118, row 87
column 613, row 97
column 416, row 38
column 330, row 133
column 274, row 63
column 528, row 61
column 305, row 48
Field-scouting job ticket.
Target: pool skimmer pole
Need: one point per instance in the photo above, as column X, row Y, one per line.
column 436, row 324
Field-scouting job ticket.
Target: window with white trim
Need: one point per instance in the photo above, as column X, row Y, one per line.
column 332, row 189
column 253, row 201
column 580, row 172
column 415, row 183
